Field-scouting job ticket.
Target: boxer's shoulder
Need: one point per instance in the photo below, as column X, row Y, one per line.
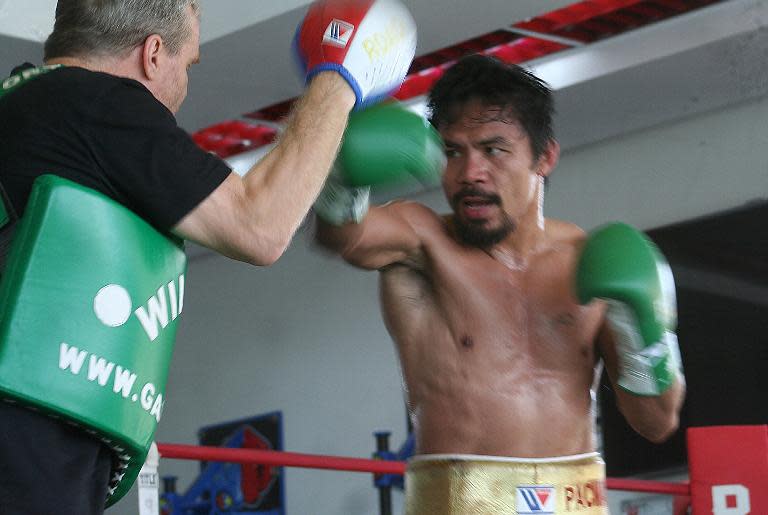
column 421, row 218
column 564, row 237
column 564, row 231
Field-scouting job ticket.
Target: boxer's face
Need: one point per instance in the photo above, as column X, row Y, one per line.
column 491, row 179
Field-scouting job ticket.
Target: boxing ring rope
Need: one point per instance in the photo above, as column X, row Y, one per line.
column 316, row 461
column 279, row 459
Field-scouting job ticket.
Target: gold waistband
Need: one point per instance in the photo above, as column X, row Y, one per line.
column 488, row 485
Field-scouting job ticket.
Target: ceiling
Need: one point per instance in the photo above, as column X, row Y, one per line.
column 246, row 56
column 33, row 19
column 700, row 60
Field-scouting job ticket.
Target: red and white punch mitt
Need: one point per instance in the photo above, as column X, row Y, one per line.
column 371, row 43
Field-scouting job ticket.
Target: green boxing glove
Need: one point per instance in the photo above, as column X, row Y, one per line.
column 383, row 145
column 622, row 266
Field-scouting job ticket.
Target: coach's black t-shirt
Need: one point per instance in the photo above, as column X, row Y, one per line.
column 107, row 133
column 112, row 135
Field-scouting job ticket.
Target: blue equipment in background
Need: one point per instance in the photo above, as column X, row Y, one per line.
column 233, row 488
column 385, row 482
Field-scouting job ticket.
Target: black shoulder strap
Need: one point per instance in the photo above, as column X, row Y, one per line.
column 22, row 67
column 23, row 75
column 8, row 219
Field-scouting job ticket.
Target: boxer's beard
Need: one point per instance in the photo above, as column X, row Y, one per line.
column 473, row 233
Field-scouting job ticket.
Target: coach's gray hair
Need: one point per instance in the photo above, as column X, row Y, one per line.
column 114, row 27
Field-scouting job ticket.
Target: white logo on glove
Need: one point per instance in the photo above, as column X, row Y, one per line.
column 338, row 33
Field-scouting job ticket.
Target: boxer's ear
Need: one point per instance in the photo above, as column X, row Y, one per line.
column 548, row 159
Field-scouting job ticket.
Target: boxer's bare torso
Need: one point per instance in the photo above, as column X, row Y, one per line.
column 497, row 355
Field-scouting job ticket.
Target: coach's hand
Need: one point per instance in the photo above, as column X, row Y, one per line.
column 371, row 43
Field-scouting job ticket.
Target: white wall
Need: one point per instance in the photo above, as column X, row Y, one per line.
column 668, row 173
column 305, row 336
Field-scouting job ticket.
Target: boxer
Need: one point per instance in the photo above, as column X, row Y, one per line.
column 502, row 318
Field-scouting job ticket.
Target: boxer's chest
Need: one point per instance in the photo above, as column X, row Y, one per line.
column 532, row 307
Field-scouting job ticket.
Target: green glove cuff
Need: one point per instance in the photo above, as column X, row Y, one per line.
column 643, row 369
column 338, row 204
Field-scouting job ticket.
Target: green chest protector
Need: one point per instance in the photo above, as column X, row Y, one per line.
column 90, row 299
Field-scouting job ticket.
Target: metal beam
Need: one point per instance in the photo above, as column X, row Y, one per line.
column 663, row 39
column 546, row 37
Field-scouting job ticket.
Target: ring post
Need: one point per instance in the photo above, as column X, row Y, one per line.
column 385, row 488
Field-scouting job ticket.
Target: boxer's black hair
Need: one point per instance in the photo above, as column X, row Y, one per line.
column 516, row 94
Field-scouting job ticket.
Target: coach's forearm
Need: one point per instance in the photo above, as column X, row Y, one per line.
column 280, row 189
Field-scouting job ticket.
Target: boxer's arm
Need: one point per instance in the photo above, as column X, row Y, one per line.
column 388, row 234
column 624, row 268
column 383, row 145
column 253, row 218
column 655, row 418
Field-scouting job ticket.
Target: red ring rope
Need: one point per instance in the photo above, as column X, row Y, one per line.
column 278, row 458
column 653, row 487
column 316, row 461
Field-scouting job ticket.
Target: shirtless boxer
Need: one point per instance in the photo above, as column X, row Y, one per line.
column 490, row 308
